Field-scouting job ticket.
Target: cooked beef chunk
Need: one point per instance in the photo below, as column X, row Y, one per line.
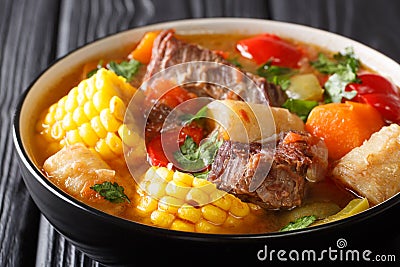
column 169, row 51
column 272, row 175
column 156, row 120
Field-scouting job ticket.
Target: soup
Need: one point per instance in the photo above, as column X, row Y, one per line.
column 213, row 168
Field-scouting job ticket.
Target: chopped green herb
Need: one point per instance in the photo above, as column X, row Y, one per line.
column 336, row 84
column 111, row 192
column 300, row 223
column 343, row 70
column 341, row 60
column 126, row 69
column 201, row 175
column 277, row 75
column 93, row 71
column 189, row 118
column 189, row 148
column 235, row 62
column 192, row 157
column 300, row 107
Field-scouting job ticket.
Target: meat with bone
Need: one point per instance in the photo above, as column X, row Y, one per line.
column 272, row 174
column 169, row 51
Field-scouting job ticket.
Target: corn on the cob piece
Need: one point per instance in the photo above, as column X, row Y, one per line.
column 180, row 201
column 92, row 113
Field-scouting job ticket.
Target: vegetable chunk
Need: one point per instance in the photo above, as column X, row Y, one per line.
column 79, row 171
column 343, row 126
column 373, row 169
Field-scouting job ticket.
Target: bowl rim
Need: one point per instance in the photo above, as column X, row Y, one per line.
column 39, row 176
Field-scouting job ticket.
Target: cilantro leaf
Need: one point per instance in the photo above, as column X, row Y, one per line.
column 300, row 223
column 336, row 84
column 339, row 62
column 93, row 71
column 193, row 158
column 189, row 118
column 235, row 61
column 300, row 107
column 111, row 192
column 126, row 69
column 201, row 175
column 277, row 75
column 343, row 70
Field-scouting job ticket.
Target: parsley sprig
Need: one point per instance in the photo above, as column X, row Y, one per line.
column 112, row 192
column 300, row 223
column 194, row 158
column 189, row 118
column 300, row 107
column 126, row 69
column 343, row 70
column 277, row 75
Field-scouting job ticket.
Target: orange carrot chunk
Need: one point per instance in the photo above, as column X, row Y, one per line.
column 142, row 52
column 343, row 126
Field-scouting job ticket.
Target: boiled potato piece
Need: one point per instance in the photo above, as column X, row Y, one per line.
column 305, row 87
column 373, row 169
column 249, row 122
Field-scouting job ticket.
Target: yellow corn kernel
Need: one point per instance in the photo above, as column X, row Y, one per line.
column 49, row 118
column 68, row 122
column 79, row 116
column 156, row 190
column 147, row 204
column 98, row 127
column 73, row 137
column 115, row 143
column 161, row 218
column 61, row 102
column 213, row 214
column 59, row 113
column 71, row 103
column 110, row 123
column 129, row 137
column 204, row 185
column 180, row 225
column 52, row 108
column 104, row 150
column 206, row 227
column 232, row 222
column 189, row 213
column 150, row 173
column 117, row 108
column 90, row 110
column 219, row 200
column 101, row 100
column 239, row 208
column 57, row 131
column 165, row 173
column 197, row 197
column 91, row 89
column 184, row 178
column 170, row 204
column 81, row 99
column 177, row 190
column 88, row 135
column 107, row 81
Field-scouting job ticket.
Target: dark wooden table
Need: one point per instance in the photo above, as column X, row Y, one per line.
column 34, row 33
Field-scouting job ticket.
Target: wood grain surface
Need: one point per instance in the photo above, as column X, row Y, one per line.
column 34, row 33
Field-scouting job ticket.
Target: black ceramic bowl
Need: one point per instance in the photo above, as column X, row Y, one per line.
column 112, row 241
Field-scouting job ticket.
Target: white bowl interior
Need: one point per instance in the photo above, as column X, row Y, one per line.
column 44, row 84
